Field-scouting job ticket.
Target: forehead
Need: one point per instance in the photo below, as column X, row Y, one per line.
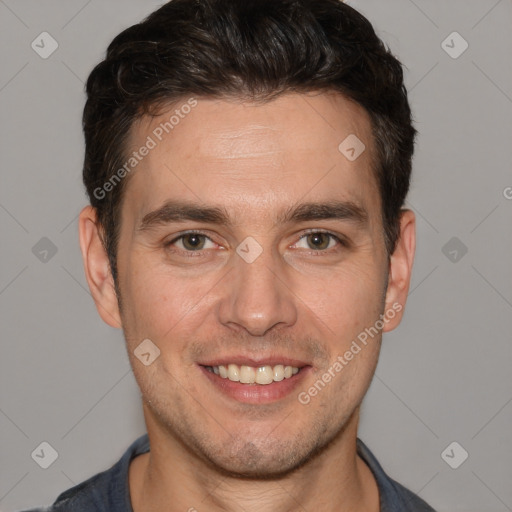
column 237, row 154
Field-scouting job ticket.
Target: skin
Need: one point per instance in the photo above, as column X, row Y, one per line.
column 255, row 161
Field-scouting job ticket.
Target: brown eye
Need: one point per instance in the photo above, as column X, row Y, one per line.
column 190, row 244
column 318, row 241
column 193, row 242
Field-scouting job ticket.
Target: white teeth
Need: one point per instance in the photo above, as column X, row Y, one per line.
column 249, row 375
column 233, row 372
column 264, row 375
column 278, row 372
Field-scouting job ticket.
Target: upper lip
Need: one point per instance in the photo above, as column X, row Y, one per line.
column 254, row 362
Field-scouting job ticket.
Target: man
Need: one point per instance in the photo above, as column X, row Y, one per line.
column 247, row 162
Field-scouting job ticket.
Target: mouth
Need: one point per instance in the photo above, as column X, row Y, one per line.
column 256, row 382
column 262, row 375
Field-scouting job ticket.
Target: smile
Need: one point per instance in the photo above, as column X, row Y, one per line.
column 257, row 382
column 262, row 375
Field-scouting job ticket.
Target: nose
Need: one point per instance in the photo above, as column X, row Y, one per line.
column 257, row 297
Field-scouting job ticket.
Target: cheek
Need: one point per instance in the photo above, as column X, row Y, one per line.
column 158, row 303
column 345, row 299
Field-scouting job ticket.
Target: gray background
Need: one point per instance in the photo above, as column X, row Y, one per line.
column 444, row 375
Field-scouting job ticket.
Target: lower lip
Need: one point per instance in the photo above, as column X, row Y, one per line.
column 257, row 393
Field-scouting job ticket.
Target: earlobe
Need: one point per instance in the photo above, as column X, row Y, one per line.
column 400, row 270
column 97, row 268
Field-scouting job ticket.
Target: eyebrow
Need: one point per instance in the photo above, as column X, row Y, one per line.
column 336, row 210
column 179, row 211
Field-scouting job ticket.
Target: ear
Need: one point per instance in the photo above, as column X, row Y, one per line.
column 97, row 268
column 400, row 270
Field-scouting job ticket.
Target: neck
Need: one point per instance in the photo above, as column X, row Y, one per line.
column 173, row 479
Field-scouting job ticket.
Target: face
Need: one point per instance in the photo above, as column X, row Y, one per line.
column 252, row 255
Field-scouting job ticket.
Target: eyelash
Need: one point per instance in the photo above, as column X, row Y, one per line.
column 168, row 245
column 341, row 241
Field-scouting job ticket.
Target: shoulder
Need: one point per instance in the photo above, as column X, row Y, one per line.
column 394, row 497
column 403, row 500
column 107, row 491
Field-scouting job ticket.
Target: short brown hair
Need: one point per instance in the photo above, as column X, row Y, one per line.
column 254, row 49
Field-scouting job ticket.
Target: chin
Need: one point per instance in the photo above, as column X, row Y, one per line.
column 258, row 467
column 271, row 460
